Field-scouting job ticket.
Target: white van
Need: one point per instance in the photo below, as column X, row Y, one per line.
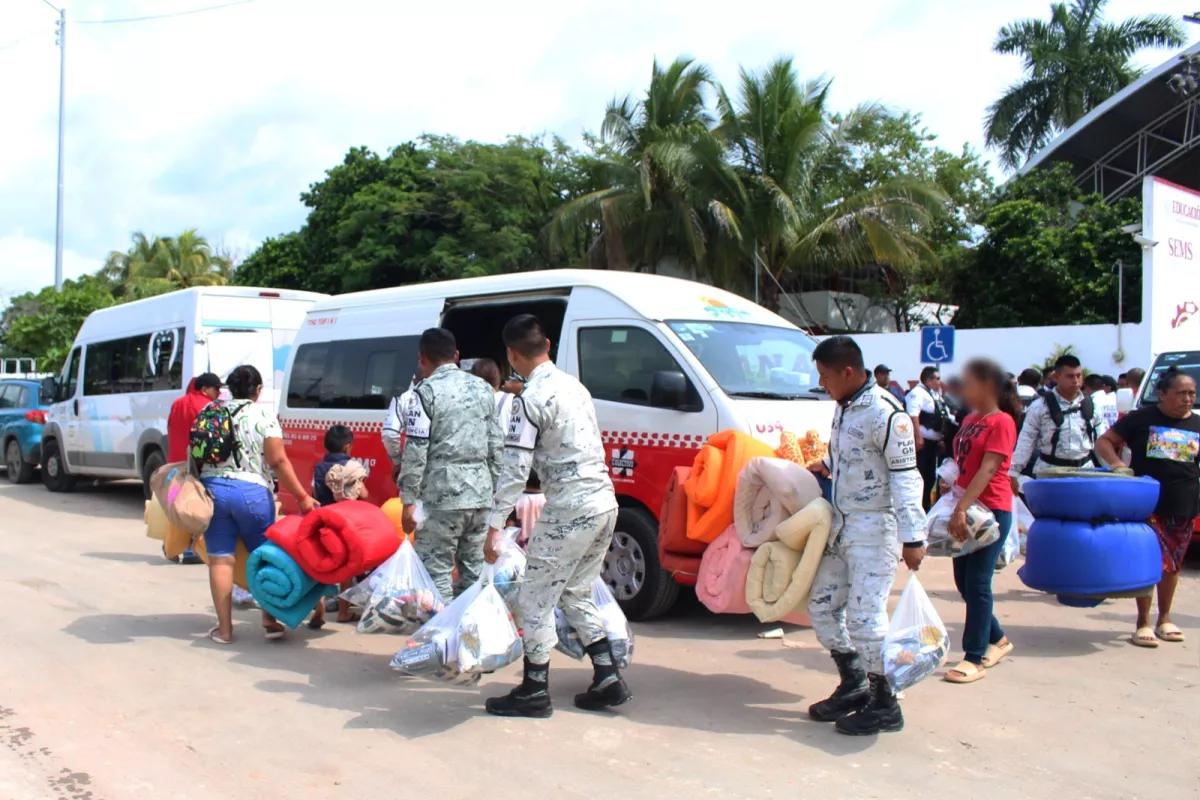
column 130, row 362
column 668, row 362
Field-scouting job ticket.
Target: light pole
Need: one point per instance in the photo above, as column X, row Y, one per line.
column 62, row 93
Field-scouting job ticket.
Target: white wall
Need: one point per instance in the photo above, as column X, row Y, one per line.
column 1014, row 348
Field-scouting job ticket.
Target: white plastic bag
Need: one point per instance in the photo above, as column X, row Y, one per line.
column 509, row 570
column 616, row 627
column 981, row 524
column 472, row 636
column 1014, row 545
column 917, row 642
column 400, row 595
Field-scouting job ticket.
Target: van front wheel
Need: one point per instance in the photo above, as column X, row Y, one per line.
column 154, row 460
column 54, row 469
column 642, row 587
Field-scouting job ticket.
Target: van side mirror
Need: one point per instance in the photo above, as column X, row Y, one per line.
column 49, row 391
column 669, row 389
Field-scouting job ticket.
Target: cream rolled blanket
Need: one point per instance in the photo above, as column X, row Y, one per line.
column 769, row 491
column 782, row 572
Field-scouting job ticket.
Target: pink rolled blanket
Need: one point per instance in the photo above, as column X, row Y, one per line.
column 721, row 584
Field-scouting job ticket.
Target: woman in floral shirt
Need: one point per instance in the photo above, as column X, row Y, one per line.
column 243, row 504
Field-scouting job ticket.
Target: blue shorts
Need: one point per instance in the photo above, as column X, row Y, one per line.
column 241, row 510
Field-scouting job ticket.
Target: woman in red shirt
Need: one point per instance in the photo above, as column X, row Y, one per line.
column 983, row 451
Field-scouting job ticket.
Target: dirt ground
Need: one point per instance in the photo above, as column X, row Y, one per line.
column 109, row 690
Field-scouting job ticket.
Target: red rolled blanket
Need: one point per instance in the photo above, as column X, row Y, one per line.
column 335, row 543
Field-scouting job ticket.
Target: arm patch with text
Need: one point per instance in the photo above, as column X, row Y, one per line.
column 522, row 433
column 418, row 421
column 899, row 446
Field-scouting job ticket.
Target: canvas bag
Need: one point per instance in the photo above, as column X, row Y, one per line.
column 183, row 497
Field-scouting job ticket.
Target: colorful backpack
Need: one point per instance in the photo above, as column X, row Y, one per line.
column 212, row 440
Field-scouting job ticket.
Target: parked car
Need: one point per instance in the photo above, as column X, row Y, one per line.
column 23, row 407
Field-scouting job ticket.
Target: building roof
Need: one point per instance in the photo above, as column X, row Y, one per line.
column 1145, row 129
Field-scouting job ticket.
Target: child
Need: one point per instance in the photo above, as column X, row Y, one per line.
column 338, row 477
column 529, row 507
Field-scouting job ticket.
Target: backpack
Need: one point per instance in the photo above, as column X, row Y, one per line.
column 1085, row 408
column 212, row 439
column 940, row 419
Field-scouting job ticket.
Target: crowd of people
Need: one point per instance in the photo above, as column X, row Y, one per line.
column 474, row 454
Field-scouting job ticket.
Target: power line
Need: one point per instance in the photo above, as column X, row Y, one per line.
column 161, row 16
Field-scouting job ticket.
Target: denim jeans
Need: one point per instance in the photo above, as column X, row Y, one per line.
column 973, row 577
column 241, row 510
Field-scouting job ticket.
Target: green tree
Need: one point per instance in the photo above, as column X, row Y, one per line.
column 1049, row 256
column 1073, row 62
column 281, row 262
column 45, row 323
column 155, row 266
column 645, row 211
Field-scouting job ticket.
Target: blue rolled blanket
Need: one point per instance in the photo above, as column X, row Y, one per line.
column 280, row 587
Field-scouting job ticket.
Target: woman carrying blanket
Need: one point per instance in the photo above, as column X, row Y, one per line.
column 983, row 451
column 243, row 505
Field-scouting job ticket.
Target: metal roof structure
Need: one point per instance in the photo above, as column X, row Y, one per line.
column 1145, row 129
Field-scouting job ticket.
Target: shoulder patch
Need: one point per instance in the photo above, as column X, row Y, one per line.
column 522, row 433
column 900, row 448
column 418, row 421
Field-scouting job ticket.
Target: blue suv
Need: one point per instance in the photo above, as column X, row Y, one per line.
column 22, row 414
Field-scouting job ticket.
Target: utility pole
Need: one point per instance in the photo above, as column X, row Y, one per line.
column 62, row 92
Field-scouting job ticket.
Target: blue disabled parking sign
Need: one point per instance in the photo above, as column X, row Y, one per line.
column 937, row 344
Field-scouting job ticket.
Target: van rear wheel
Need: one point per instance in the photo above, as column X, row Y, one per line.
column 54, row 469
column 642, row 587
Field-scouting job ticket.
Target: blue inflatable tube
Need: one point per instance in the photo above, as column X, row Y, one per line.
column 1121, row 499
column 1071, row 557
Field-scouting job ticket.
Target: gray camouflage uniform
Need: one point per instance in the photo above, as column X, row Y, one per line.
column 452, row 456
column 554, row 429
column 877, row 505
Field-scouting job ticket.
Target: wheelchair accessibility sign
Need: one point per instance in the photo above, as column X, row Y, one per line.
column 937, row 345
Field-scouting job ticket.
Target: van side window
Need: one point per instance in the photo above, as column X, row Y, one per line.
column 359, row 374
column 167, row 355
column 70, row 381
column 122, row 366
column 618, row 363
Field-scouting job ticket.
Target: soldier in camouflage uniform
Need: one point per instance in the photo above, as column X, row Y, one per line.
column 452, row 457
column 554, row 429
column 877, row 505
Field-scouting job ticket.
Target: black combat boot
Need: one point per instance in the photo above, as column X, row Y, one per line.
column 882, row 714
column 852, row 694
column 607, row 689
column 530, row 699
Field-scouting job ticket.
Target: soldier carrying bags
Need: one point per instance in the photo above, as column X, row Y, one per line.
column 451, row 460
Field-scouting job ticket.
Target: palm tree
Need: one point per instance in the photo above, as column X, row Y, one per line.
column 647, row 214
column 153, row 266
column 1073, row 62
column 144, row 256
column 779, row 210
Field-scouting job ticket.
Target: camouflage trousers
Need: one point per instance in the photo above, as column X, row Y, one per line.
column 848, row 605
column 563, row 561
column 449, row 539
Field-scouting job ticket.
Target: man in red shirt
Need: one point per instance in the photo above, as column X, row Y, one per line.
column 202, row 391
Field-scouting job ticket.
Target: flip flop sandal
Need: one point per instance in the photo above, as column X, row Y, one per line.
column 1169, row 632
column 1144, row 637
column 274, row 633
column 965, row 672
column 217, row 638
column 995, row 654
column 316, row 624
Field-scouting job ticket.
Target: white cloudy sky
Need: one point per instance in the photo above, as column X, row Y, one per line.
column 220, row 120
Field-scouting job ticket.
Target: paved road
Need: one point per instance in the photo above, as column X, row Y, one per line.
column 109, row 691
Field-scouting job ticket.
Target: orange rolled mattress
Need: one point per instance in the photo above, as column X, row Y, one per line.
column 713, row 482
column 676, row 552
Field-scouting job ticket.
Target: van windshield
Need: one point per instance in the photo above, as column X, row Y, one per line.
column 1188, row 363
column 748, row 360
